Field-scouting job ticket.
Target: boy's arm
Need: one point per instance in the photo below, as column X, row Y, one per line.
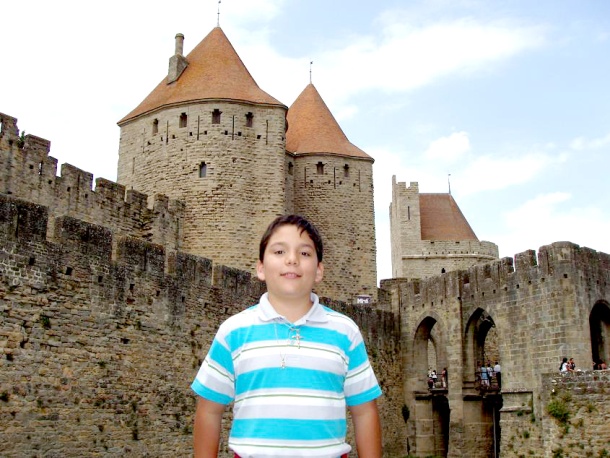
column 367, row 429
column 206, row 434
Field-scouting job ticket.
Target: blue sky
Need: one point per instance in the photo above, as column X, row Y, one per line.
column 511, row 98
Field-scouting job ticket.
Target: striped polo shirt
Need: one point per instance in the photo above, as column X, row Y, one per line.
column 289, row 382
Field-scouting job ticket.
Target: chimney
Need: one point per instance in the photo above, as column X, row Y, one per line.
column 177, row 63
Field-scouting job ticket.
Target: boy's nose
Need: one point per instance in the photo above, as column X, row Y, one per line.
column 291, row 258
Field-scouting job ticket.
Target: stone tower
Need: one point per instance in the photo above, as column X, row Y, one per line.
column 236, row 157
column 333, row 186
column 209, row 136
column 430, row 235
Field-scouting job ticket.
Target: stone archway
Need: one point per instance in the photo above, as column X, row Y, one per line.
column 599, row 322
column 428, row 338
column 479, row 326
column 431, row 405
column 482, row 402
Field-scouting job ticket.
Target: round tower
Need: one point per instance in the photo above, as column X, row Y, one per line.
column 209, row 136
column 333, row 186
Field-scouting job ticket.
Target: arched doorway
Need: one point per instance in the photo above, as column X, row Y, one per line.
column 480, row 326
column 482, row 402
column 599, row 322
column 431, row 404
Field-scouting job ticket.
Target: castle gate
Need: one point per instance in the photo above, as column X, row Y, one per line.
column 527, row 314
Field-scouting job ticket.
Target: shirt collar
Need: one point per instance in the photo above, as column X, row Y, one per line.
column 317, row 314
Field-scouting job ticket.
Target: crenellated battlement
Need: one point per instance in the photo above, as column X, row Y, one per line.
column 553, row 262
column 29, row 173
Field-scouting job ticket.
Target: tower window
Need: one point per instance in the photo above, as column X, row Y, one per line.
column 203, row 170
column 155, row 127
column 183, row 119
column 216, row 116
column 290, row 168
column 320, row 168
column 346, row 171
column 249, row 119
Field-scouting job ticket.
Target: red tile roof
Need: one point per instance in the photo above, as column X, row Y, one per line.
column 214, row 71
column 313, row 129
column 441, row 219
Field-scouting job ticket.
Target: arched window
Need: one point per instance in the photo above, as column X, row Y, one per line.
column 249, row 119
column 290, row 168
column 320, row 168
column 346, row 171
column 183, row 120
column 203, row 170
column 155, row 127
column 216, row 116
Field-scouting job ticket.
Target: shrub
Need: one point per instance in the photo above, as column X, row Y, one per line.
column 558, row 409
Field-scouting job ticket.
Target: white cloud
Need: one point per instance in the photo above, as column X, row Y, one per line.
column 581, row 143
column 449, row 148
column 549, row 218
column 407, row 55
column 487, row 173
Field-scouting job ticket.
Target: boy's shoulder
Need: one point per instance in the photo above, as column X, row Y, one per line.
column 340, row 319
column 246, row 317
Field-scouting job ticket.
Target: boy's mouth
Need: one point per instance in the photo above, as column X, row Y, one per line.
column 290, row 275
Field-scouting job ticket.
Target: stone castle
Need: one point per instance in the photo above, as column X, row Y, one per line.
column 110, row 296
column 236, row 157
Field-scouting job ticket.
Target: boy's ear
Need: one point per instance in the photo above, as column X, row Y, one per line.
column 319, row 273
column 260, row 270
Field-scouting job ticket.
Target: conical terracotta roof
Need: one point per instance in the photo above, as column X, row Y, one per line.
column 312, row 129
column 442, row 219
column 214, row 71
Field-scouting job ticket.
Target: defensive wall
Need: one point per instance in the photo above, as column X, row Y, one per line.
column 101, row 335
column 28, row 172
column 541, row 308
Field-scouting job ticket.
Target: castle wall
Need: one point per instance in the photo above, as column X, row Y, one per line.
column 101, row 336
column 540, row 309
column 572, row 422
column 29, row 173
column 338, row 198
column 227, row 210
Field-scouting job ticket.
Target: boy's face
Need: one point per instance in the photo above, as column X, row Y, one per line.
column 290, row 265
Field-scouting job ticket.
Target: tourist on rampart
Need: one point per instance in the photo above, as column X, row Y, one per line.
column 444, row 377
column 484, row 376
column 571, row 365
column 563, row 368
column 289, row 364
column 490, row 372
column 498, row 372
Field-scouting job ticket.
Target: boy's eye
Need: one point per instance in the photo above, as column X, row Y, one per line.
column 278, row 252
column 306, row 253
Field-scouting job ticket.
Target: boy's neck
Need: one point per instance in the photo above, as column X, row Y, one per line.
column 293, row 310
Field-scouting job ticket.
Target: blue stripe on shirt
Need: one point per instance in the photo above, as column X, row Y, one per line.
column 288, row 429
column 209, row 394
column 290, row 377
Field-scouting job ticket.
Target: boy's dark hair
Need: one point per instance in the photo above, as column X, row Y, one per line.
column 292, row 220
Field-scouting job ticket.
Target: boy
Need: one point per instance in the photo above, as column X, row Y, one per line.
column 289, row 364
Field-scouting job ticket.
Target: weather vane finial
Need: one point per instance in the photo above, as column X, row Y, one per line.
column 449, row 182
column 310, row 65
column 218, row 15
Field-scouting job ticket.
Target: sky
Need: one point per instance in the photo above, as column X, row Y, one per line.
column 508, row 102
